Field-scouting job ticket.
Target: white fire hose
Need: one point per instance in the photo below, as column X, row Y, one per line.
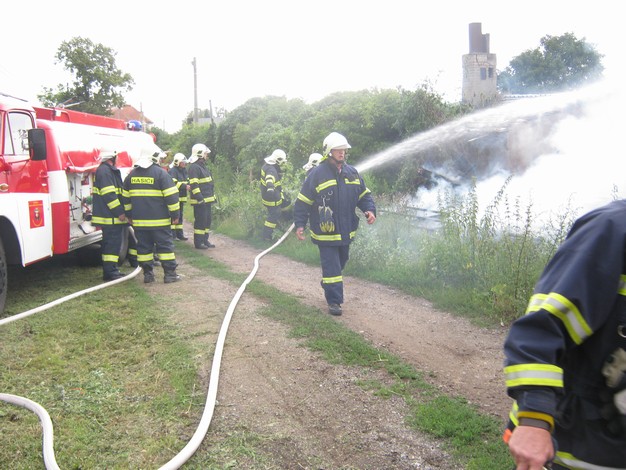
column 44, row 417
column 203, row 427
column 187, row 452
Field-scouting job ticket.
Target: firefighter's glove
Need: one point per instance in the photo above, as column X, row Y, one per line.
column 614, row 370
column 614, row 397
column 273, row 196
column 614, row 412
column 327, row 225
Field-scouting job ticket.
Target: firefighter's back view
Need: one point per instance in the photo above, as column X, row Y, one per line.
column 152, row 204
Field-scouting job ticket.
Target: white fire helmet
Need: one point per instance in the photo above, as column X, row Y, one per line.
column 178, row 159
column 107, row 154
column 278, row 157
column 150, row 156
column 199, row 151
column 314, row 160
column 334, row 140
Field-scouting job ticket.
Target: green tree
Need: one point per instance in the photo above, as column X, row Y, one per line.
column 559, row 63
column 98, row 82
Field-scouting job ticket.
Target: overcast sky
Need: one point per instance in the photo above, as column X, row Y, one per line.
column 293, row 48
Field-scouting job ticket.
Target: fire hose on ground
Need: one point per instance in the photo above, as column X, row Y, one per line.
column 203, row 426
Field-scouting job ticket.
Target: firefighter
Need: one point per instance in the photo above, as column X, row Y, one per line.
column 327, row 201
column 314, row 160
column 272, row 195
column 202, row 193
column 152, row 205
column 108, row 213
column 565, row 360
column 178, row 172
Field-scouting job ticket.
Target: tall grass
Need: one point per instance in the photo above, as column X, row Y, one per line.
column 479, row 263
column 483, row 265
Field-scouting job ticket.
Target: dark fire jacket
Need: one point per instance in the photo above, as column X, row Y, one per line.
column 555, row 353
column 150, row 198
column 342, row 192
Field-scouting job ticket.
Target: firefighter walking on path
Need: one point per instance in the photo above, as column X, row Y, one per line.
column 178, row 172
column 202, row 194
column 327, row 201
column 272, row 195
column 565, row 359
column 108, row 213
column 152, row 205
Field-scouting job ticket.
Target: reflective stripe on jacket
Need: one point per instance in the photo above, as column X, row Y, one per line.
column 555, row 353
column 201, row 183
column 181, row 179
column 342, row 192
column 150, row 198
column 271, row 185
column 107, row 192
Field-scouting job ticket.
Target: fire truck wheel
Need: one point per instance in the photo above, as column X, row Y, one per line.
column 90, row 255
column 3, row 277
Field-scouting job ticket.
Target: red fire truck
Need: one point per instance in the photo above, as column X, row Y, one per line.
column 48, row 157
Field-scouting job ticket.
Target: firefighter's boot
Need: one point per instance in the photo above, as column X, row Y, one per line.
column 132, row 261
column 181, row 235
column 198, row 242
column 171, row 276
column 207, row 243
column 148, row 273
column 110, row 271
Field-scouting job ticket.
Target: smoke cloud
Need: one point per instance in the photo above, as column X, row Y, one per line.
column 559, row 151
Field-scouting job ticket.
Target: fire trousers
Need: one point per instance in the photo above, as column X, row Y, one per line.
column 111, row 246
column 274, row 215
column 202, row 223
column 159, row 241
column 333, row 259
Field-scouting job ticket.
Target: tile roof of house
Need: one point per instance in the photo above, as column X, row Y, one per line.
column 129, row 113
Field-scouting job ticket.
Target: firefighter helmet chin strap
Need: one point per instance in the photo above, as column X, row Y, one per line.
column 337, row 162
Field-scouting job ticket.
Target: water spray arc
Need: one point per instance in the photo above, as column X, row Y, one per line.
column 491, row 121
column 554, row 153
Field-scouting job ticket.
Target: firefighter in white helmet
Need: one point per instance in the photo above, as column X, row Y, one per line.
column 272, row 196
column 108, row 212
column 178, row 172
column 327, row 202
column 152, row 205
column 202, row 195
column 314, row 160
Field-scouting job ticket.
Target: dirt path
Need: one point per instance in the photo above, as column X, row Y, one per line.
column 314, row 414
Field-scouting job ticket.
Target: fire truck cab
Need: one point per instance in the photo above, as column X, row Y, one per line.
column 48, row 157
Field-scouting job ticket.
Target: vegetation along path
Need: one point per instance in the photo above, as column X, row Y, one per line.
column 282, row 402
column 269, row 383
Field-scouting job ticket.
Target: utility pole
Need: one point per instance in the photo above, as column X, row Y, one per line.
column 195, row 92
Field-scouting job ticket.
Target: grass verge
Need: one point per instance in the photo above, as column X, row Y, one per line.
column 472, row 437
column 115, row 376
